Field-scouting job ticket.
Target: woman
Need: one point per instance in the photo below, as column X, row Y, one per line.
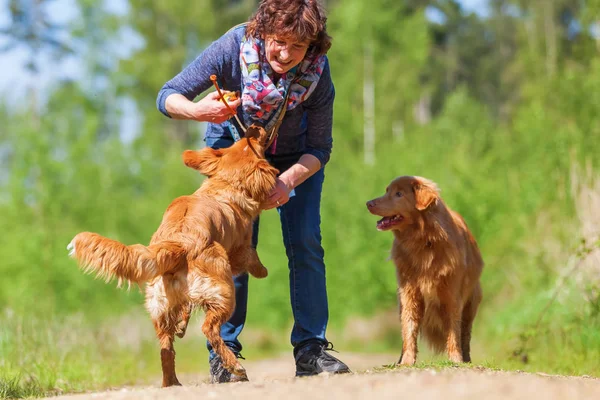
column 279, row 55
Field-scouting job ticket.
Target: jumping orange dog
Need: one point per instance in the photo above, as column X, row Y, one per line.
column 203, row 241
column 438, row 267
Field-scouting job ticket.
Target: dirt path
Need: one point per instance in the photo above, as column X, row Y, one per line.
column 273, row 379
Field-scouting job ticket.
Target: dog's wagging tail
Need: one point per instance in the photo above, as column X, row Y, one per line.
column 108, row 258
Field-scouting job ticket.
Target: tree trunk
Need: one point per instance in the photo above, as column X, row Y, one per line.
column 550, row 34
column 369, row 105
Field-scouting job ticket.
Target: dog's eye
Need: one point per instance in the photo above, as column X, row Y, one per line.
column 399, row 194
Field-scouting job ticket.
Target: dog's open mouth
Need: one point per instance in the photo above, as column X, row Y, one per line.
column 387, row 222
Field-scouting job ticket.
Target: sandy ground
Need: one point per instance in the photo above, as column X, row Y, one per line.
column 273, row 379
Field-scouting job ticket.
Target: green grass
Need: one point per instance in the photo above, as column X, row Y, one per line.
column 438, row 365
column 44, row 356
column 16, row 387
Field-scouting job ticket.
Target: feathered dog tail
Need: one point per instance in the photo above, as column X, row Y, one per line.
column 110, row 259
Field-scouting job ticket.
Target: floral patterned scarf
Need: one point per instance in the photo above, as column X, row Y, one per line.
column 261, row 98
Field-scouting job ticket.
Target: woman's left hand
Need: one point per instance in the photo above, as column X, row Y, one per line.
column 279, row 195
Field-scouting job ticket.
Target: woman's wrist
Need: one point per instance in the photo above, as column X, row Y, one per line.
column 287, row 181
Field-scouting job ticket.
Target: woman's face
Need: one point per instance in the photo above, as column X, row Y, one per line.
column 284, row 54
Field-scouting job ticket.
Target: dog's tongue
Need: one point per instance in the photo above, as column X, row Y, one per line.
column 384, row 223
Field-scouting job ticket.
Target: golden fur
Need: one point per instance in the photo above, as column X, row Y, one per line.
column 203, row 240
column 438, row 267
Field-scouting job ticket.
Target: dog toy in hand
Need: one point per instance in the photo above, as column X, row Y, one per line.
column 225, row 97
column 230, row 96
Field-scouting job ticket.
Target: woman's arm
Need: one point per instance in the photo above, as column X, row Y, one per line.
column 306, row 167
column 209, row 109
column 175, row 98
column 319, row 116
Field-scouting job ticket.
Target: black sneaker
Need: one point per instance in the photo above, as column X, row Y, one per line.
column 311, row 359
column 219, row 374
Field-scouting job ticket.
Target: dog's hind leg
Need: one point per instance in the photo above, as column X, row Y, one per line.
column 215, row 290
column 216, row 316
column 450, row 314
column 164, row 312
column 468, row 316
column 165, row 330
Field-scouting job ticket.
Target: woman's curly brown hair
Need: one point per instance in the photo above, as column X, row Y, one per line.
column 298, row 19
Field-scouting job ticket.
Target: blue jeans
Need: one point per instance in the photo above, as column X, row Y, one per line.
column 301, row 228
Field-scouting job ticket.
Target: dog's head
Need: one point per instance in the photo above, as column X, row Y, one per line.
column 241, row 166
column 404, row 199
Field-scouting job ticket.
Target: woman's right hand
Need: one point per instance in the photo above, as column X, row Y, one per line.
column 212, row 109
column 209, row 109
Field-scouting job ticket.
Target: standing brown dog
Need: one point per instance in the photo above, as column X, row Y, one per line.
column 438, row 267
column 203, row 240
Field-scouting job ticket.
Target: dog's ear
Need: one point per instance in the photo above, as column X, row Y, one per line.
column 426, row 193
column 206, row 160
column 263, row 177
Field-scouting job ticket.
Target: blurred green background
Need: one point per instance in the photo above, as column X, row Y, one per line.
column 497, row 101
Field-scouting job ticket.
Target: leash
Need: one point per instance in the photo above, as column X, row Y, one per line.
column 275, row 130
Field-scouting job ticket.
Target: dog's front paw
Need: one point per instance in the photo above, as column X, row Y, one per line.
column 407, row 359
column 240, row 372
column 259, row 272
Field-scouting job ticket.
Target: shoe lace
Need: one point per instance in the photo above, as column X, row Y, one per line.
column 329, row 347
column 239, row 356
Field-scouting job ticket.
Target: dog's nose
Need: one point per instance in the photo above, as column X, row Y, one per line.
column 370, row 203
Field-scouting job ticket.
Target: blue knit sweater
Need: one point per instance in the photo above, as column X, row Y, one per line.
column 306, row 129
